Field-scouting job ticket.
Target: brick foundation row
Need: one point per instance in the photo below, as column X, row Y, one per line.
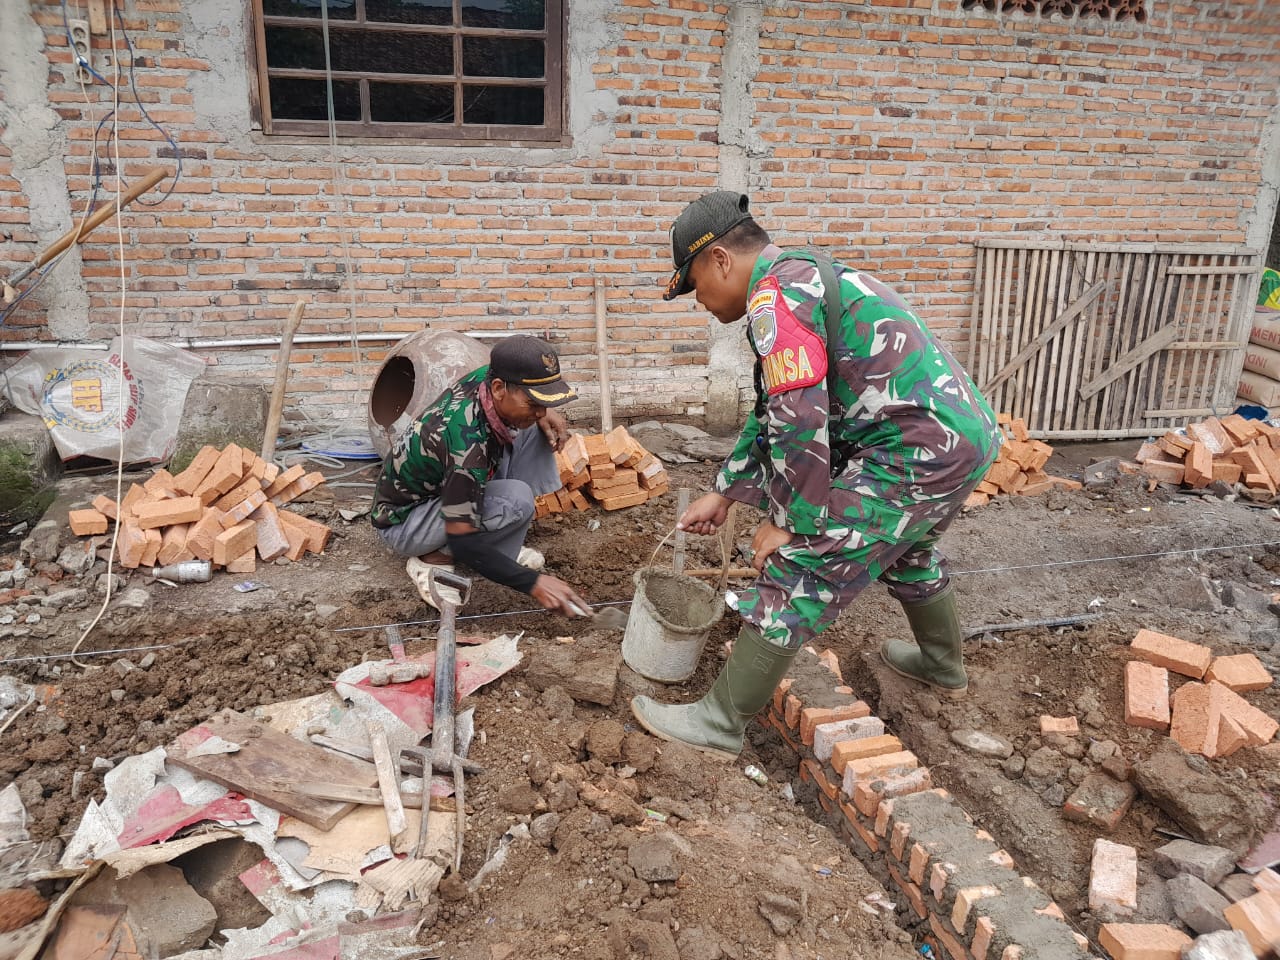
column 965, row 891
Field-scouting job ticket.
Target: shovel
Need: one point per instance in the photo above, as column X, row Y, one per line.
column 607, row 618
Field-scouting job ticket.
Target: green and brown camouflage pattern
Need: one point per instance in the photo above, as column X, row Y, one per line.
column 449, row 454
column 866, row 479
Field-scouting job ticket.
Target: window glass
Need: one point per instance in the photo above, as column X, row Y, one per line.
column 438, row 12
column 338, row 9
column 293, row 99
column 515, row 106
column 508, row 14
column 493, row 57
column 410, row 102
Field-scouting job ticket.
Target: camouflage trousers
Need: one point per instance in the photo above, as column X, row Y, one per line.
column 807, row 583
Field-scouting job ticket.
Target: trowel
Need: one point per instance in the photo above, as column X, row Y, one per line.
column 607, row 618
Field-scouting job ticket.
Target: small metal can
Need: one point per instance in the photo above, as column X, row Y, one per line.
column 755, row 773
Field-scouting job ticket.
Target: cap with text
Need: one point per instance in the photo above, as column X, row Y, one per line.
column 703, row 222
column 534, row 366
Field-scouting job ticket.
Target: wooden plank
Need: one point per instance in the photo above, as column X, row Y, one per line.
column 1238, row 322
column 1134, row 400
column 1080, row 331
column 1221, row 249
column 1030, row 350
column 369, row 796
column 1214, row 271
column 1122, row 336
column 97, row 17
column 266, row 758
column 1124, row 364
column 1188, row 413
column 389, row 787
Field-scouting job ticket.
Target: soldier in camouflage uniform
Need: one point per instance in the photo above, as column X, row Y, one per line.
column 860, row 451
column 460, row 483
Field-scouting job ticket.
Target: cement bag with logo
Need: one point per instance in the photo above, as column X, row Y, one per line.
column 85, row 395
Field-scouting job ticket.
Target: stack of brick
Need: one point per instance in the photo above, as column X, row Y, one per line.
column 610, row 468
column 1231, row 450
column 1260, row 379
column 1210, row 718
column 1019, row 468
column 913, row 836
column 225, row 508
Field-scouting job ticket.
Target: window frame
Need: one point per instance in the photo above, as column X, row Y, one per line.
column 551, row 133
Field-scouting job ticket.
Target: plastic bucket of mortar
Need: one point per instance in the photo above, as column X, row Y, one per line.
column 671, row 618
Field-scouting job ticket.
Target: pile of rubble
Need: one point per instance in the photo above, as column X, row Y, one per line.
column 612, row 467
column 224, row 508
column 1230, row 451
column 1019, row 467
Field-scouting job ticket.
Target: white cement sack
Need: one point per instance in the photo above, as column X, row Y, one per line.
column 1259, row 389
column 86, row 397
column 1266, row 328
column 1262, row 361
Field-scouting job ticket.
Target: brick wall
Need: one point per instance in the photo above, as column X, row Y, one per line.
column 892, row 131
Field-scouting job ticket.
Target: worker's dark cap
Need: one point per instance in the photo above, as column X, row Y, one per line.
column 703, row 222
column 533, row 366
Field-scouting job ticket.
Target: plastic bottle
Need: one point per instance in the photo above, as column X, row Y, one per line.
column 188, row 571
column 755, row 773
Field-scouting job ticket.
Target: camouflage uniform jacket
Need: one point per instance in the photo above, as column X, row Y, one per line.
column 907, row 431
column 448, row 454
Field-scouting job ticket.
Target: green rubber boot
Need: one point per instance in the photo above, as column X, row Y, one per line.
column 715, row 724
column 937, row 657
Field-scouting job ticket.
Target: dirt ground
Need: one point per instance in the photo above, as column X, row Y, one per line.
column 757, row 876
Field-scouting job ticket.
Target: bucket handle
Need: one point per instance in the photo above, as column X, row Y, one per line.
column 654, row 556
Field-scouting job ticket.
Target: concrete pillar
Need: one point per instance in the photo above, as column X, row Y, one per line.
column 37, row 139
column 729, row 363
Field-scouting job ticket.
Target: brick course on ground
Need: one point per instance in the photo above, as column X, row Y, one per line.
column 964, row 890
column 891, row 133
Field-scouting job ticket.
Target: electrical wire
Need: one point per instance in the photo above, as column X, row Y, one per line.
column 122, row 392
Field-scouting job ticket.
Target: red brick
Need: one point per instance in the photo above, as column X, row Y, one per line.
column 151, row 549
column 297, row 541
column 951, row 946
column 222, row 476
column 1192, row 726
column 1258, row 918
column 106, row 506
column 189, row 480
column 966, row 897
column 245, row 563
column 173, row 544
column 131, row 541
column 1198, row 472
column 234, row 543
column 1164, row 472
column 241, row 511
column 868, row 837
column 1146, row 695
column 856, row 771
column 868, row 794
column 810, row 717
column 919, row 862
column 1113, row 878
column 624, row 501
column 911, row 890
column 1241, row 673
column 164, row 513
column 1189, row 659
column 827, row 735
column 85, row 523
column 984, row 930
column 816, row 773
column 1268, row 880
column 862, row 748
column 239, row 494
column 1100, row 800
column 203, row 532
column 272, row 541
column 1258, row 726
column 1142, row 941
column 294, row 473
column 133, row 496
column 300, row 486
column 780, row 691
column 317, row 533
column 1068, row 726
column 791, row 712
column 1198, row 711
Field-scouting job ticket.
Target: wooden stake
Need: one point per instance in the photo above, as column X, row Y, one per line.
column 682, row 504
column 397, row 822
column 282, row 377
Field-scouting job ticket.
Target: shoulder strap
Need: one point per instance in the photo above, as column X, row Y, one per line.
column 834, row 304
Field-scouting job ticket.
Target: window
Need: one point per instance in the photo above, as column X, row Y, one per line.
column 451, row 70
column 1067, row 9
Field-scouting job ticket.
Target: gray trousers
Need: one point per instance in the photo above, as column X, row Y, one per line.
column 528, row 470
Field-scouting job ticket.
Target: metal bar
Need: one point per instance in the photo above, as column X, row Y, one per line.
column 1214, row 271
column 1032, row 624
column 216, row 344
column 1227, row 249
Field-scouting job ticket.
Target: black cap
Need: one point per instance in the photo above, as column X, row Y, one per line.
column 704, row 221
column 533, row 366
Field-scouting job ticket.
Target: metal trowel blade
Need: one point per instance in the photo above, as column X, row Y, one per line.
column 609, row 618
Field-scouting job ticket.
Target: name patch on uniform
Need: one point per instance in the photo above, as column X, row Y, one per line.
column 792, row 355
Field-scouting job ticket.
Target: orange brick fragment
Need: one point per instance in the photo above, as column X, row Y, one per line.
column 317, row 534
column 1198, row 467
column 85, row 523
column 1258, row 918
column 151, row 549
column 846, row 750
column 223, row 476
column 202, row 534
column 1068, row 726
column 163, row 513
column 106, row 506
column 244, row 508
column 173, row 544
column 1146, row 695
column 188, row 481
column 271, row 539
column 626, row 500
column 1189, row 659
column 871, row 768
column 1164, row 472
column 238, row 494
column 245, row 563
column 1240, row 673
column 297, row 542
column 1199, row 712
column 810, row 717
column 132, row 497
column 295, row 472
column 300, row 486
column 1113, row 877
column 1142, row 941
column 131, row 541
column 869, row 794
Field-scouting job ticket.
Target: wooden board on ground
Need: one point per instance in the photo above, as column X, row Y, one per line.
column 266, row 761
